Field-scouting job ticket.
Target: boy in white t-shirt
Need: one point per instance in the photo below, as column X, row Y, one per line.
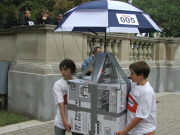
column 67, row 68
column 141, row 114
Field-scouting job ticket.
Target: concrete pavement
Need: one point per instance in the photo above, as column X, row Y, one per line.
column 168, row 118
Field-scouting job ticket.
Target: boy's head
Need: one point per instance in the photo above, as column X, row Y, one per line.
column 45, row 14
column 96, row 50
column 27, row 13
column 67, row 68
column 140, row 68
column 60, row 17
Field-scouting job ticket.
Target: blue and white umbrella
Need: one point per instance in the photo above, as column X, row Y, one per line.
column 107, row 16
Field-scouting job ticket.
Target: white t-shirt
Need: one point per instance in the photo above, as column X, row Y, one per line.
column 60, row 90
column 142, row 104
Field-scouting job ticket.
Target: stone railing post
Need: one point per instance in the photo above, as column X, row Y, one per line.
column 140, row 51
column 131, row 57
column 96, row 42
column 102, row 44
column 115, row 48
column 89, row 46
column 144, row 51
column 135, row 51
column 119, row 46
column 149, row 51
column 109, row 45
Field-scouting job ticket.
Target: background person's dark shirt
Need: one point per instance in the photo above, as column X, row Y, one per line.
column 41, row 21
column 26, row 21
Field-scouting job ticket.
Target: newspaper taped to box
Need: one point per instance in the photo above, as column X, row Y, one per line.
column 97, row 106
column 112, row 97
column 78, row 93
column 108, row 125
column 109, row 98
column 80, row 121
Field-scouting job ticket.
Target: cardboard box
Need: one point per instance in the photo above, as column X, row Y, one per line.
column 98, row 106
column 110, row 97
column 80, row 121
column 78, row 93
column 105, row 125
column 109, row 125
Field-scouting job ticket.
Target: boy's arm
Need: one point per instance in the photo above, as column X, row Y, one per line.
column 84, row 64
column 67, row 125
column 131, row 125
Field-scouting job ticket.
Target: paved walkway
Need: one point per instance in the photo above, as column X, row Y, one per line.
column 168, row 118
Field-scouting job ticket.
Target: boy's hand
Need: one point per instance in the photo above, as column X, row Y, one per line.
column 121, row 132
column 67, row 126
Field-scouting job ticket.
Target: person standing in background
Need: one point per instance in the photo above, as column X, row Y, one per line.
column 58, row 19
column 88, row 60
column 27, row 19
column 44, row 18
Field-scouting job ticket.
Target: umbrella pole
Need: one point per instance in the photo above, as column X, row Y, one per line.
column 105, row 42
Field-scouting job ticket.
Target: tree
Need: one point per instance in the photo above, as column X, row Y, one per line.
column 165, row 13
column 61, row 6
column 8, row 14
column 37, row 7
column 11, row 11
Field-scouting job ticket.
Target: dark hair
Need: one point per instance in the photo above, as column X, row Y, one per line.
column 131, row 65
column 45, row 12
column 140, row 68
column 95, row 49
column 26, row 11
column 68, row 64
column 60, row 14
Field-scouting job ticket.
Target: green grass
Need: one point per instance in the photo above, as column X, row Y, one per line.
column 7, row 118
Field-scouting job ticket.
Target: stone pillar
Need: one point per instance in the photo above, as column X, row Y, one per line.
column 37, row 53
column 160, row 51
column 173, row 51
column 7, row 46
column 125, row 50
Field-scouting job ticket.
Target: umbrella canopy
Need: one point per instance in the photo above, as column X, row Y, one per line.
column 107, row 16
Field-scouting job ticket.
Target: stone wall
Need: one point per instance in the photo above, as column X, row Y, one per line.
column 35, row 53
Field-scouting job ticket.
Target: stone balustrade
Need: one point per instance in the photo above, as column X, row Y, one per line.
column 40, row 43
column 138, row 48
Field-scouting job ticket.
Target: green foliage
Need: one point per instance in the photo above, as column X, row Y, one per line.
column 37, row 6
column 61, row 6
column 164, row 12
column 8, row 14
column 7, row 118
column 11, row 11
